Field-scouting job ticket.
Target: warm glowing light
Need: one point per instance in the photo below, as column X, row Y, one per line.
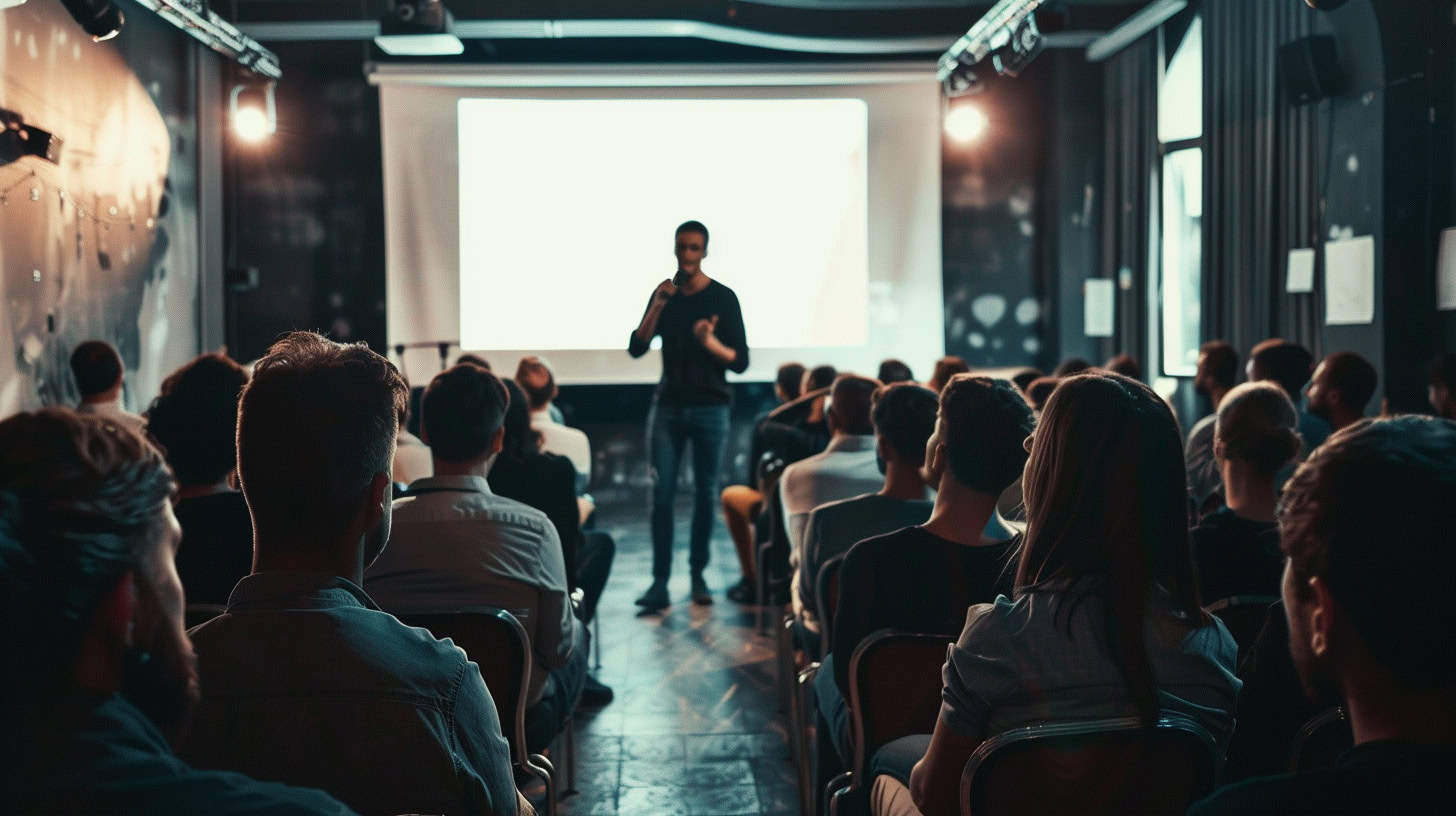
column 965, row 123
column 251, row 124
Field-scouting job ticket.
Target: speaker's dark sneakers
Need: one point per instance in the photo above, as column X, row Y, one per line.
column 594, row 693
column 655, row 597
column 742, row 592
column 701, row 595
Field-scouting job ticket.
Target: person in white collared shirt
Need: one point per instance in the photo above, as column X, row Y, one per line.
column 97, row 369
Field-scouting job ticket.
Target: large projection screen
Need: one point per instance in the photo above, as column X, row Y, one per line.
column 535, row 215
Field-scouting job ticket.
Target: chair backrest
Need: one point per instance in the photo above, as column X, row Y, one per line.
column 498, row 644
column 1109, row 766
column 197, row 614
column 894, row 689
column 826, row 597
column 1244, row 616
column 1321, row 740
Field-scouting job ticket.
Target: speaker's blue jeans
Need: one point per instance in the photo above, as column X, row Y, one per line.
column 670, row 427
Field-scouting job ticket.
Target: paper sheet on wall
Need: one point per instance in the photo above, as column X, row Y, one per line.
column 1098, row 307
column 1350, row 281
column 1299, row 277
column 1446, row 271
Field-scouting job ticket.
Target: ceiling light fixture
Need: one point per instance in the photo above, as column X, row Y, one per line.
column 418, row 28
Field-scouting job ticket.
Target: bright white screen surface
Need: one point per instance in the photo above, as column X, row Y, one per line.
column 538, row 219
column 779, row 183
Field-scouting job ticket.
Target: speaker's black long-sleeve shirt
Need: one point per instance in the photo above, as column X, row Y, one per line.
column 690, row 374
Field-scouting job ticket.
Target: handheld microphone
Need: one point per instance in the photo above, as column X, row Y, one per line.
column 678, row 277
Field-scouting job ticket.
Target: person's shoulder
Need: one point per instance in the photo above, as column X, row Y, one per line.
column 832, row 509
column 518, row 513
column 1284, row 793
column 885, row 549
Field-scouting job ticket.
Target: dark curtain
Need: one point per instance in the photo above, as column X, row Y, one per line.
column 1131, row 144
column 1263, row 163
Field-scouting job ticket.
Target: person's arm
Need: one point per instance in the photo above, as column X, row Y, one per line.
column 808, row 561
column 852, row 613
column 729, row 343
column 935, row 781
column 565, row 515
column 641, row 338
column 482, row 746
column 557, row 622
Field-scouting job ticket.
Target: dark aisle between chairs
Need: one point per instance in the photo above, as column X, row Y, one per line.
column 694, row 728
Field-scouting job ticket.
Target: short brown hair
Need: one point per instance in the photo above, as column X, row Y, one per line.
column 537, row 381
column 96, row 367
column 315, row 424
column 462, row 408
column 1257, row 424
column 850, row 402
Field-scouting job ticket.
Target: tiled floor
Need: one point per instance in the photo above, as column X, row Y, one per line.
column 694, row 727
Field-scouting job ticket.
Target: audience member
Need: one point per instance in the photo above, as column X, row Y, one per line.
column 1025, row 377
column 904, row 417
column 945, row 368
column 411, row 454
column 1289, row 365
column 1040, row 391
column 98, row 372
column 473, row 359
column 1106, row 620
column 1236, row 548
column 848, row 467
column 1071, row 366
column 304, row 679
column 1342, row 385
column 1217, row 373
column 1366, row 525
column 922, row 579
column 1126, row 365
column 1441, row 382
column 743, row 502
column 893, row 371
column 457, row 544
column 195, row 419
column 538, row 382
column 101, row 675
column 544, row 481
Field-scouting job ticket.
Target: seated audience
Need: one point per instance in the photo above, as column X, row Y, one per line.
column 1366, row 523
column 1071, row 366
column 1025, row 377
column 101, row 674
column 1218, row 371
column 411, row 454
column 98, row 372
column 195, row 419
column 904, row 417
column 538, row 382
column 743, row 502
column 544, row 481
column 945, row 368
column 1040, row 391
column 1442, row 380
column 893, row 371
column 1342, row 385
column 1126, row 365
column 473, row 359
column 456, row 544
column 848, row 467
column 304, row 679
column 923, row 578
column 1106, row 620
column 1236, row 548
column 1289, row 365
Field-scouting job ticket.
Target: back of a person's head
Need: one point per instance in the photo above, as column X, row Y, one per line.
column 945, row 368
column 693, row 226
column 1443, row 370
column 1070, row 366
column 473, row 359
column 463, row 408
column 984, row 425
column 903, row 414
column 316, row 424
column 1352, row 377
column 1288, row 364
column 893, row 371
column 79, row 499
column 1040, row 391
column 850, row 400
column 96, row 367
column 790, row 380
column 1107, row 512
column 1220, row 362
column 1025, row 377
column 1371, row 513
column 1126, row 365
column 520, row 441
column 1257, row 425
column 820, row 376
column 195, row 417
column 537, row 382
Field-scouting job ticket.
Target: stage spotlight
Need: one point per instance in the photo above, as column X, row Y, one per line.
column 253, row 111
column 99, row 18
column 965, row 123
column 417, row 28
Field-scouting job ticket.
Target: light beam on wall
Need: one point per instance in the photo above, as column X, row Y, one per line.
column 965, row 123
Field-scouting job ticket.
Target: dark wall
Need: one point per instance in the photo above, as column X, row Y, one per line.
column 308, row 206
column 101, row 238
